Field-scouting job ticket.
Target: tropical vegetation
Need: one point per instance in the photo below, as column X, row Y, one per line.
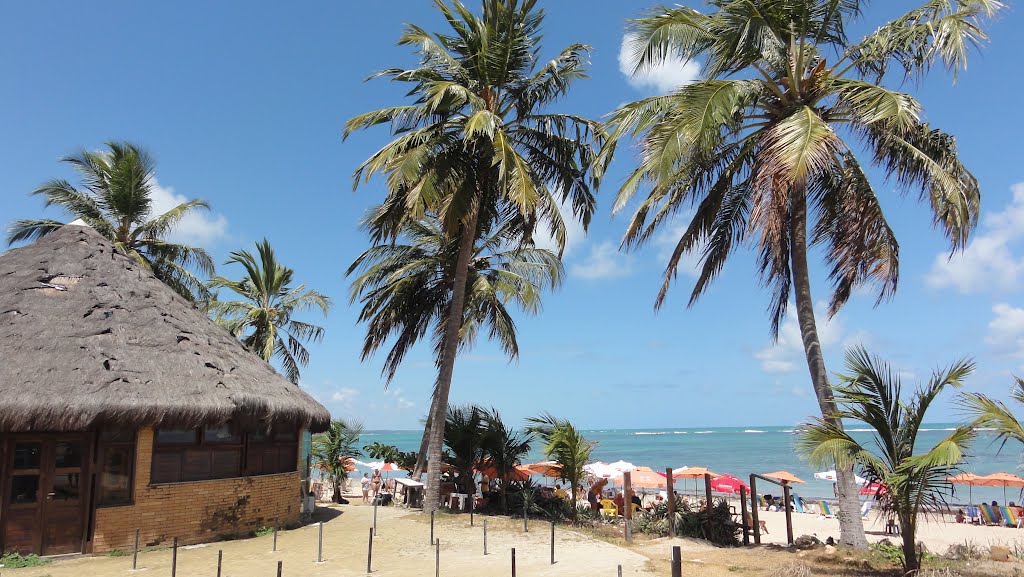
column 263, row 318
column 993, row 414
column 564, row 444
column 116, row 198
column 770, row 147
column 334, row 450
column 871, row 392
column 477, row 145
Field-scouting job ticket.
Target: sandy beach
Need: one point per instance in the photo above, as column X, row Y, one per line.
column 401, row 548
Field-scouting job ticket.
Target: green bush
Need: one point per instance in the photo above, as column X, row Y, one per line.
column 15, row 561
column 117, row 553
column 261, row 531
column 717, row 527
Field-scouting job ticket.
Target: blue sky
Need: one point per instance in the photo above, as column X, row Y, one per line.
column 242, row 103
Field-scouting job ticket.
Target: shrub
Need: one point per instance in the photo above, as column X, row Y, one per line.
column 718, row 527
column 14, row 560
column 791, row 570
column 261, row 531
column 117, row 553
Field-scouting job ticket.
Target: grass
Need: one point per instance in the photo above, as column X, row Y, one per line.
column 263, row 531
column 117, row 553
column 16, row 561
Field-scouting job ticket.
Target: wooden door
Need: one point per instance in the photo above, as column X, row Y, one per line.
column 47, row 497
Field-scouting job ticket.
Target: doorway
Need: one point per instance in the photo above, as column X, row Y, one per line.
column 44, row 504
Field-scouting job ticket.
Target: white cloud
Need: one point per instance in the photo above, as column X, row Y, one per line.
column 988, row 263
column 604, row 262
column 399, row 400
column 198, row 227
column 786, row 355
column 1006, row 330
column 670, row 74
column 574, row 233
column 345, row 396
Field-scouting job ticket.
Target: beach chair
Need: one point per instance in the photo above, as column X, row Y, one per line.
column 973, row 515
column 825, row 510
column 1009, row 517
column 762, row 502
column 798, row 503
column 987, row 516
column 608, row 508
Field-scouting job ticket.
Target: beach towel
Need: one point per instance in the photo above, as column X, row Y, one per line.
column 987, row 516
column 1009, row 518
column 824, row 508
column 798, row 503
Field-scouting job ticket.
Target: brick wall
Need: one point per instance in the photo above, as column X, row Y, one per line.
column 195, row 512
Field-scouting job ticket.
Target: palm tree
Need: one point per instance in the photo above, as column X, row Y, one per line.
column 994, row 414
column 503, row 449
column 116, row 199
column 477, row 144
column 464, row 429
column 564, row 444
column 767, row 145
column 263, row 319
column 871, row 393
column 333, row 449
column 405, row 290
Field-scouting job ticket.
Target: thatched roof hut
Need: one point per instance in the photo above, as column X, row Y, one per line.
column 88, row 338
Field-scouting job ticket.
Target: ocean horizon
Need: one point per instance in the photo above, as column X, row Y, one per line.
column 743, row 450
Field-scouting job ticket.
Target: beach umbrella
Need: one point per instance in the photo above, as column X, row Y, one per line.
column 644, row 478
column 873, row 489
column 831, row 476
column 784, row 476
column 518, row 473
column 545, row 468
column 969, row 479
column 381, row 466
column 621, row 466
column 600, row 470
column 692, row 473
column 727, row 484
column 1003, row 480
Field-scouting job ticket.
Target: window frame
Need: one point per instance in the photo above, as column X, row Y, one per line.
column 244, row 446
column 101, row 454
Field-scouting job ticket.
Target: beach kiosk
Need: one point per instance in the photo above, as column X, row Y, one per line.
column 123, row 407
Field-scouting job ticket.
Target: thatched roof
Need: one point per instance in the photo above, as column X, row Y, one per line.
column 89, row 338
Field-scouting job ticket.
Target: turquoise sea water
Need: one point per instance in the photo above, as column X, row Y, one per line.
column 740, row 451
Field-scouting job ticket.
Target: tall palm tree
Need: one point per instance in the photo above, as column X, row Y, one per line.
column 994, row 414
column 871, row 393
column 116, row 199
column 478, row 143
column 333, row 450
column 504, row 448
column 263, row 319
column 405, row 288
column 564, row 444
column 767, row 145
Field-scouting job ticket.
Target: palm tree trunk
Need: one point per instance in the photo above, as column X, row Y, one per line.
column 337, row 489
column 851, row 526
column 911, row 564
column 421, row 456
column 447, row 365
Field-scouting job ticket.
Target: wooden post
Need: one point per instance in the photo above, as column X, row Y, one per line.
column 552, row 542
column 220, row 560
column 431, row 527
column 275, row 535
column 472, row 506
column 627, row 505
column 789, row 513
column 743, row 515
column 369, row 554
column 135, row 551
column 707, row 493
column 526, row 526
column 174, row 557
column 320, row 544
column 620, row 570
column 513, row 562
column 485, row 536
column 280, row 568
column 437, row 558
column 677, row 562
column 375, row 515
column 670, row 494
column 754, row 509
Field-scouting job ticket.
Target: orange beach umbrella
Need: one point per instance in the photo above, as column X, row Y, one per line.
column 784, row 476
column 643, row 478
column 1003, row 480
column 545, row 468
column 693, row 473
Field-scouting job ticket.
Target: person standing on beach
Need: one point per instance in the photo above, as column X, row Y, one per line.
column 365, row 486
column 375, row 482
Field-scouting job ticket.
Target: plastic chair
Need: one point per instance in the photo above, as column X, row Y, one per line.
column 824, row 508
column 1009, row 517
column 798, row 503
column 973, row 515
column 988, row 517
column 608, row 508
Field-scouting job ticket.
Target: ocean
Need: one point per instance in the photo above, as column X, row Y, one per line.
column 740, row 451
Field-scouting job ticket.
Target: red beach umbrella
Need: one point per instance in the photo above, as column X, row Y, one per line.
column 728, row 484
column 873, row 489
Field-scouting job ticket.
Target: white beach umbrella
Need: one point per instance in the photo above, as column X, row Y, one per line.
column 621, row 466
column 831, row 476
column 599, row 469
